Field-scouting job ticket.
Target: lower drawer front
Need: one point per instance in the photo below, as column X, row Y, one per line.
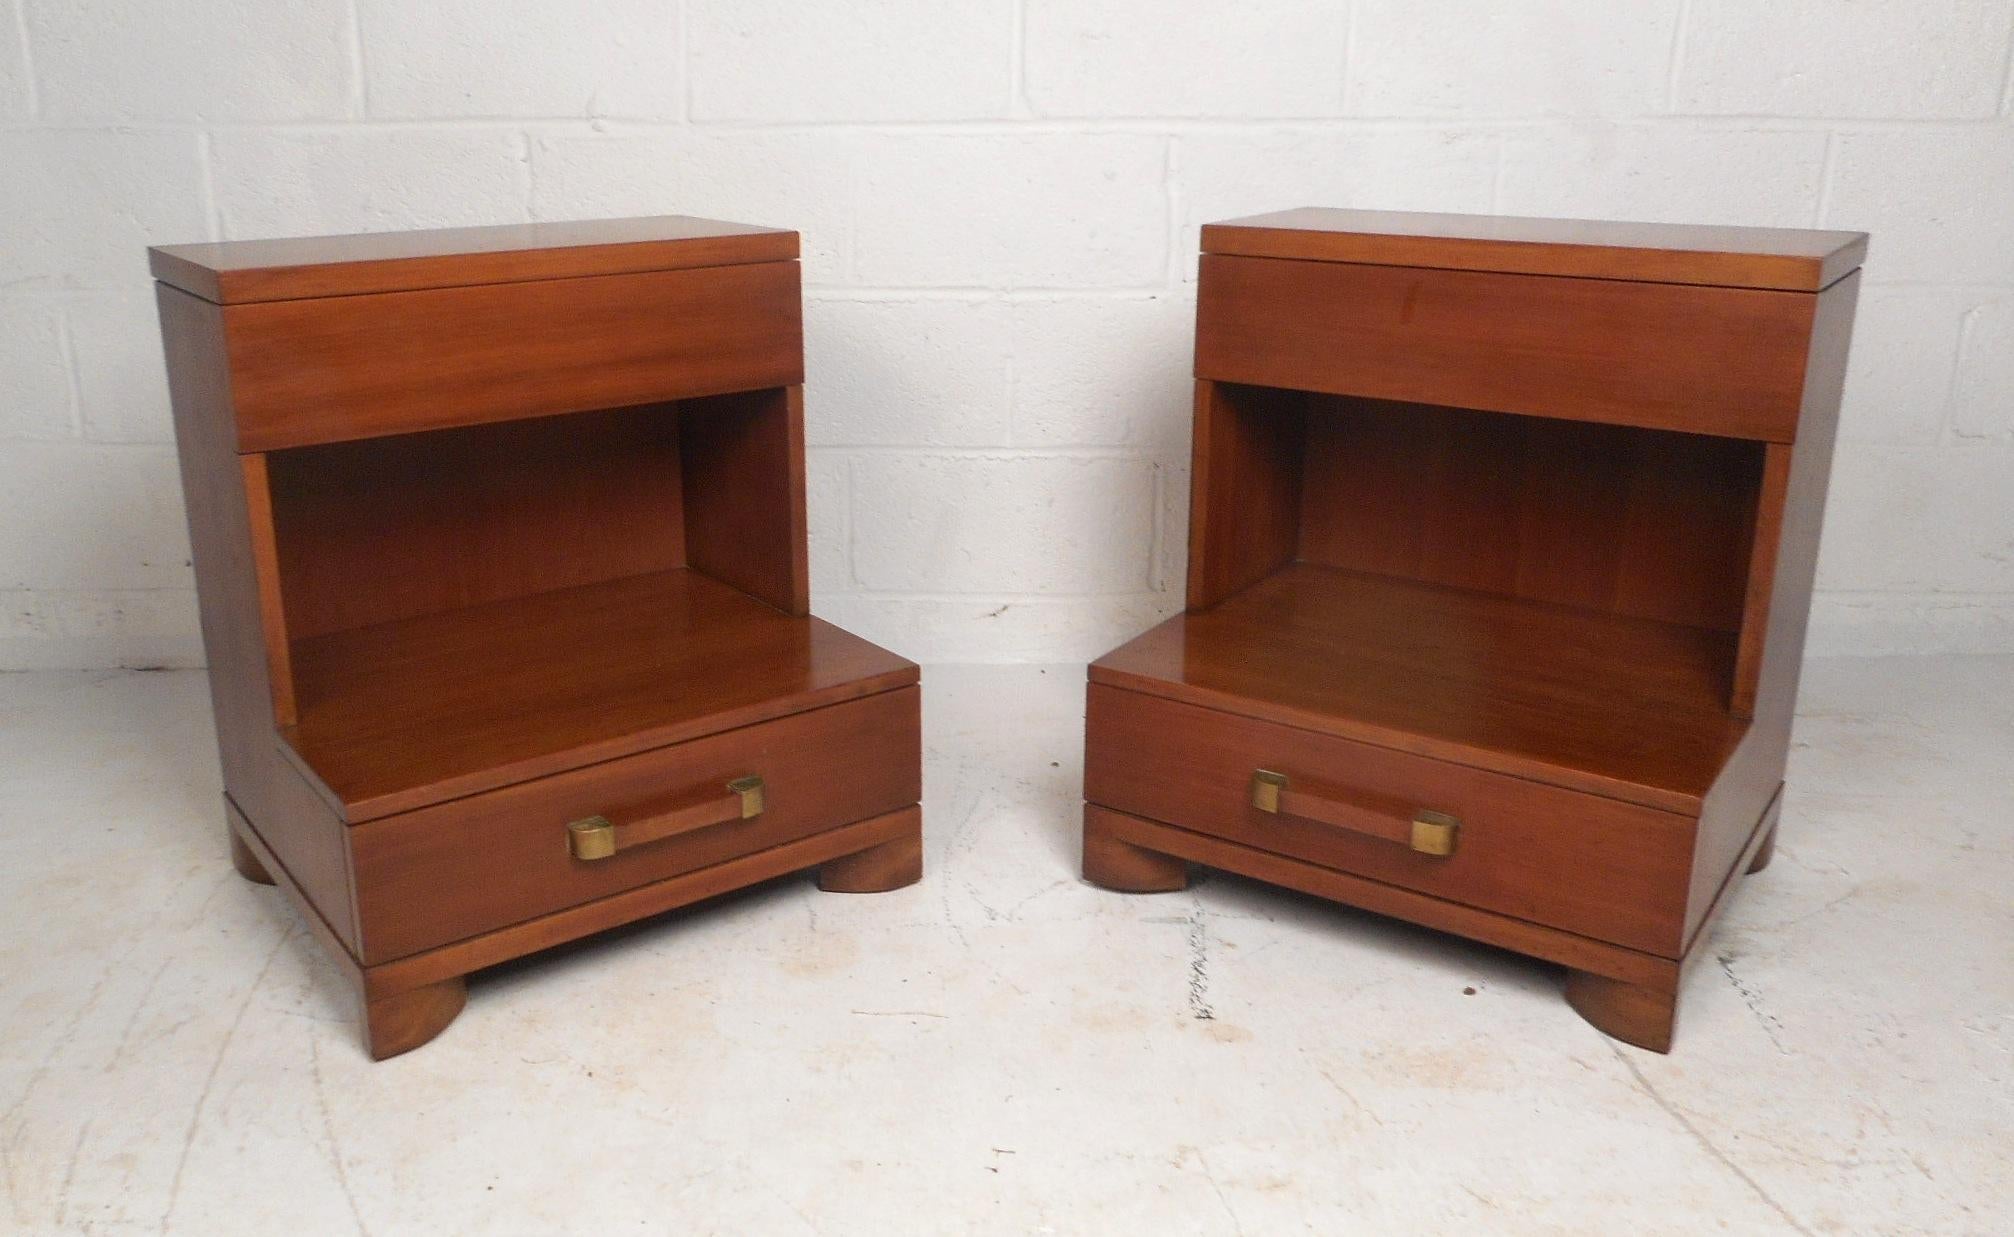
column 1599, row 867
column 454, row 870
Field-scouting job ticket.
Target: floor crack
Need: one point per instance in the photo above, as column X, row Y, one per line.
column 1705, row 1144
column 329, row 1130
column 210, row 1080
column 1217, row 1188
column 1752, row 997
column 1199, row 968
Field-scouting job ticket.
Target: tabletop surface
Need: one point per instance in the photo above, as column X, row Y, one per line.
column 1794, row 259
column 230, row 272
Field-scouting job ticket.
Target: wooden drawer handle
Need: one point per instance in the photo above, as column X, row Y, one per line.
column 1429, row 833
column 598, row 837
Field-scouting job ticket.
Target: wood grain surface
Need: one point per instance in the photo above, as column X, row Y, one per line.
column 339, row 368
column 1792, row 259
column 1613, row 706
column 1191, row 766
column 433, row 876
column 400, row 715
column 234, row 272
column 1725, row 361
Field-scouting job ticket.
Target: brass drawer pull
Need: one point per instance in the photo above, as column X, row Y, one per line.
column 1429, row 833
column 598, row 837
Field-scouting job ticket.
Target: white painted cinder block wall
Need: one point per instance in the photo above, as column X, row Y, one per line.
column 999, row 200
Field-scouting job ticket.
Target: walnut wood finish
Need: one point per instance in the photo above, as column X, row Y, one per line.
column 247, row 863
column 1625, row 708
column 378, row 987
column 516, row 940
column 1764, row 853
column 744, row 510
column 1122, row 867
column 1627, row 994
column 1514, row 520
column 397, row 362
column 1366, row 814
column 266, row 575
column 1643, row 1014
column 223, row 535
column 1667, row 356
column 453, row 870
column 1173, row 845
column 1754, row 772
column 1245, row 501
column 1632, row 522
column 1192, row 767
column 401, row 715
column 489, row 539
column 394, row 528
column 893, row 864
column 295, row 268
column 1793, row 259
column 402, row 1021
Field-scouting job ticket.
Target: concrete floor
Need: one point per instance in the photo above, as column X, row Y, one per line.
column 1003, row 1049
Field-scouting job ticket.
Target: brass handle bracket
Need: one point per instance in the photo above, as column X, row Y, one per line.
column 597, row 837
column 1267, row 787
column 591, row 838
column 1427, row 832
column 749, row 790
column 1434, row 833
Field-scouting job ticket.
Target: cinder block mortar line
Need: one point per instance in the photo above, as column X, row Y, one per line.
column 2007, row 72
column 206, row 179
column 847, row 541
column 27, row 62
column 1949, row 435
column 1828, row 165
column 119, row 590
column 1497, row 175
column 968, row 293
column 1988, row 287
column 685, row 61
column 164, row 449
column 1157, row 494
column 1934, row 597
column 1675, row 65
column 1002, row 453
column 1162, row 126
column 1017, row 62
column 1017, row 599
column 66, row 345
column 360, row 88
column 1346, row 70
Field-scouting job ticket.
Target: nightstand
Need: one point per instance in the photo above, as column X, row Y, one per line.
column 500, row 544
column 1500, row 558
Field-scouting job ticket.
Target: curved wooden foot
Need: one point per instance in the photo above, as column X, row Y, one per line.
column 246, row 862
column 878, row 869
column 1125, row 868
column 1640, row 1014
column 402, row 1021
column 1765, row 852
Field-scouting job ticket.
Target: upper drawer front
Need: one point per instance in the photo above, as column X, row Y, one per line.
column 345, row 367
column 443, row 873
column 1726, row 361
column 1605, row 869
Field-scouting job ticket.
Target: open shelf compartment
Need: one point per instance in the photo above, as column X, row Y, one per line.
column 455, row 610
column 1554, row 599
